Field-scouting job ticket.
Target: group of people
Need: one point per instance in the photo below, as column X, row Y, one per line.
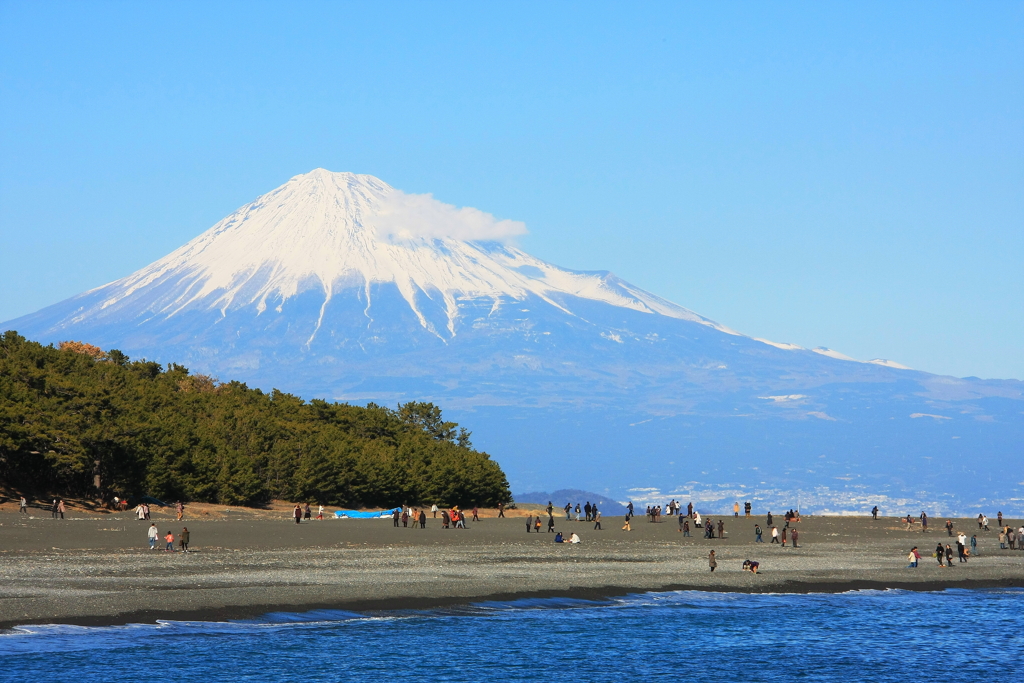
column 299, row 513
column 183, row 539
column 588, row 510
column 453, row 518
column 573, row 538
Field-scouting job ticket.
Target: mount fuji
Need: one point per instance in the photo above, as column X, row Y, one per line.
column 336, row 285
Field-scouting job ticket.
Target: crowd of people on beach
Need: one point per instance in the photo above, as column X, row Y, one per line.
column 1009, row 539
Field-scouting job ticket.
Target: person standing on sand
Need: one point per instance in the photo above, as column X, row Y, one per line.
column 974, row 545
column 874, row 513
column 529, row 523
column 180, row 510
column 153, row 535
column 53, row 510
column 768, row 521
column 913, row 557
column 949, row 528
column 689, row 510
column 783, row 537
column 736, row 509
column 537, row 524
column 940, row 553
column 476, row 514
column 597, row 519
column 775, row 534
column 984, row 522
column 433, row 510
column 949, row 557
column 796, row 535
column 320, row 513
column 924, row 522
column 446, row 520
column 183, row 539
column 423, row 519
column 395, row 517
column 60, row 507
column 961, row 550
column 551, row 524
column 721, row 527
column 757, row 534
column 682, row 520
column 297, row 513
column 999, row 518
column 712, row 562
column 170, row 542
column 626, row 527
column 24, row 505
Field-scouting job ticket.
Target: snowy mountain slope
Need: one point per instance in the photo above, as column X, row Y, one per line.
column 339, row 286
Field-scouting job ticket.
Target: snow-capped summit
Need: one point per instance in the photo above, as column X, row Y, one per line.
column 327, row 232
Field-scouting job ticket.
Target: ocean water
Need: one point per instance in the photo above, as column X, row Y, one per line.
column 955, row 635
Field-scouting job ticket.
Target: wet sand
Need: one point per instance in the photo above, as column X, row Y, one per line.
column 96, row 568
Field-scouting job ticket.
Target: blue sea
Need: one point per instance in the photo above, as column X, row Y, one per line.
column 893, row 635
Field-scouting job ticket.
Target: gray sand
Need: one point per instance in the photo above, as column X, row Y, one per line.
column 98, row 569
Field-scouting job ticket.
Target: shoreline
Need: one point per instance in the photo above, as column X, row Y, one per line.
column 597, row 595
column 98, row 570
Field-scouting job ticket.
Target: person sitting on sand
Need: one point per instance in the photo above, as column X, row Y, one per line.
column 558, row 537
column 574, row 538
column 750, row 566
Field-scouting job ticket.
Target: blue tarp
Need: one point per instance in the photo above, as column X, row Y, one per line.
column 357, row 514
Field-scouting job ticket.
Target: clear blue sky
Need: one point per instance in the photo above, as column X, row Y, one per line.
column 844, row 176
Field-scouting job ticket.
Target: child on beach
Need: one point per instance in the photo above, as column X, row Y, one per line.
column 170, row 541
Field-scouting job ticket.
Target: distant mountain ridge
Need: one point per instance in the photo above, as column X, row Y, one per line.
column 336, row 285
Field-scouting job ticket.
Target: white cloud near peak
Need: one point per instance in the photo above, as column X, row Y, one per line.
column 409, row 216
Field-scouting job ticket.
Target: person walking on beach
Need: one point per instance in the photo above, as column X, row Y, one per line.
column 551, row 524
column 60, row 507
column 757, row 534
column 949, row 528
column 153, row 535
column 396, row 516
column 796, row 535
column 913, row 557
column 597, row 519
column 501, row 510
column 183, row 539
column 783, row 537
column 537, row 524
column 974, row 545
column 320, row 513
column 626, row 527
column 940, row 553
column 24, row 505
column 721, row 527
column 180, row 510
column 712, row 562
column 446, row 521
column 949, row 557
column 433, row 509
column 775, row 534
column 984, row 522
column 999, row 518
column 307, row 513
column 297, row 513
column 768, row 521
column 961, row 550
column 170, row 542
column 924, row 522
column 682, row 520
column 874, row 513
column 476, row 514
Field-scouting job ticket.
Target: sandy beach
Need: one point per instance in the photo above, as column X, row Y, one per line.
column 96, row 568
